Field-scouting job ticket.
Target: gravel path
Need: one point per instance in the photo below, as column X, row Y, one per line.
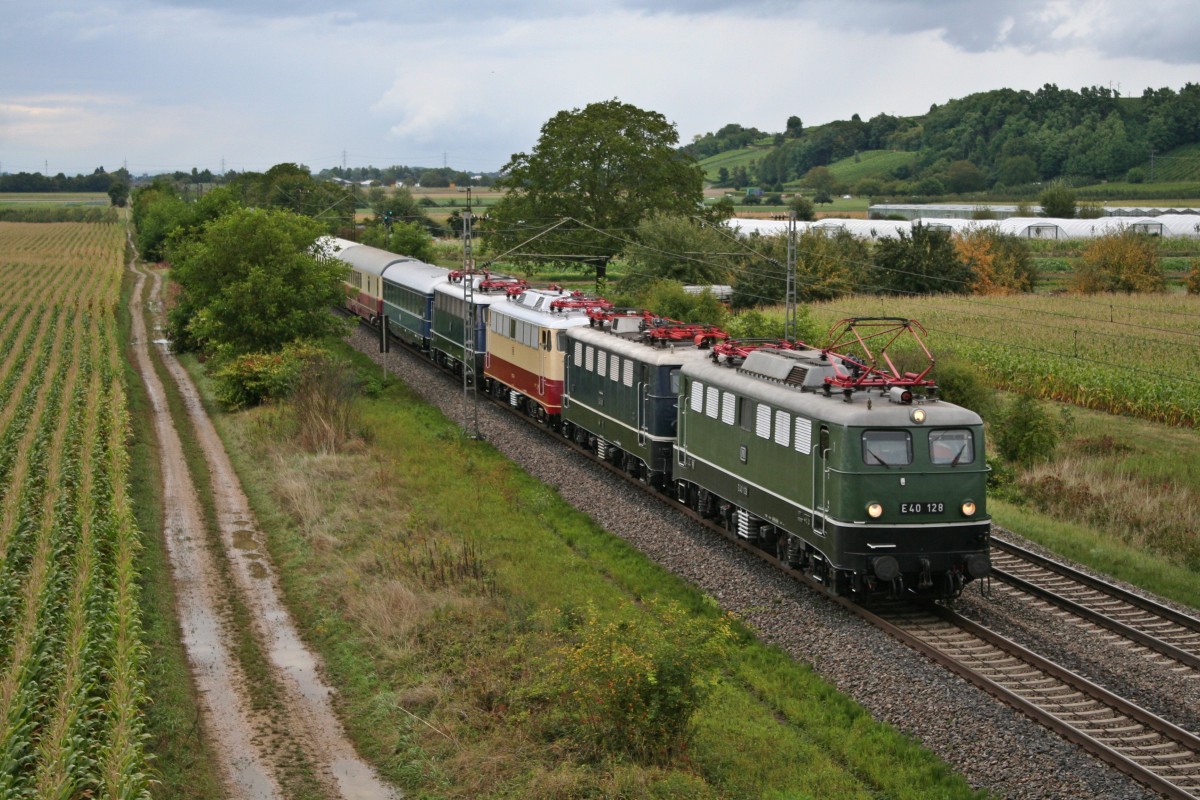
column 248, row 744
column 994, row 747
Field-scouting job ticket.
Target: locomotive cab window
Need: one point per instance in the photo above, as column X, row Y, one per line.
column 887, row 448
column 952, row 447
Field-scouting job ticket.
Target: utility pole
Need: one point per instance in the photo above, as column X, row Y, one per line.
column 470, row 392
column 789, row 320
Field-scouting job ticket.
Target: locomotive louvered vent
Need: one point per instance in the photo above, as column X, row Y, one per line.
column 799, row 368
column 796, row 376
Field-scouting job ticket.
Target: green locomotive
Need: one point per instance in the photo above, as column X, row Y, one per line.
column 838, row 466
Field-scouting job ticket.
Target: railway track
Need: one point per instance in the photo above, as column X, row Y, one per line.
column 1138, row 619
column 1146, row 747
column 1151, row 750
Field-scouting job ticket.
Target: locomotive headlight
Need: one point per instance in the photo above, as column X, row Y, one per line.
column 875, row 510
column 968, row 508
column 918, row 415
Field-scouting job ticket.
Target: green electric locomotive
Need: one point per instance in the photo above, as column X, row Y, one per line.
column 845, row 468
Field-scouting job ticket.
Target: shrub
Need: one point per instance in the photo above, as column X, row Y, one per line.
column 1121, row 262
column 628, row 687
column 257, row 378
column 1058, row 201
column 1024, row 433
column 1193, row 277
column 999, row 263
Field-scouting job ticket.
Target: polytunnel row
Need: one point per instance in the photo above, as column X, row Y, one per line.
column 1168, row 225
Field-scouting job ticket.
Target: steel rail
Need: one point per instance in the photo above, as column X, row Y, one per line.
column 1144, row 746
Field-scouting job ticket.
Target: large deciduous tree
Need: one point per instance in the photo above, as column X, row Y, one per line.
column 252, row 281
column 607, row 167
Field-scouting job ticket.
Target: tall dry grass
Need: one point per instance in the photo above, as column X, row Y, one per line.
column 1161, row 517
column 324, row 406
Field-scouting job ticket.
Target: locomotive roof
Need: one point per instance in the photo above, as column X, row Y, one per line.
column 676, row 353
column 478, row 296
column 533, row 305
column 863, row 408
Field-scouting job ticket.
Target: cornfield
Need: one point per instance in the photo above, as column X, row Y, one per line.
column 71, row 695
column 1130, row 354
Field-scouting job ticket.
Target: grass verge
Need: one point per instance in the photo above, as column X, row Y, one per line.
column 434, row 577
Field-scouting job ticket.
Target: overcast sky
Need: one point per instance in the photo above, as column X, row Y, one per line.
column 161, row 85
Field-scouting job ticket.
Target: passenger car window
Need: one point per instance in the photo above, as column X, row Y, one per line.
column 887, row 448
column 953, row 447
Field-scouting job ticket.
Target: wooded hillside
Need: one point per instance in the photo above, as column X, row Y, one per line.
column 997, row 139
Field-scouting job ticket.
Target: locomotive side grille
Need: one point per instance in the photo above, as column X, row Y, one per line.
column 796, row 376
column 747, row 526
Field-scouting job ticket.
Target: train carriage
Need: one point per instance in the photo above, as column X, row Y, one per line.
column 874, row 492
column 450, row 314
column 401, row 288
column 364, row 280
column 525, row 346
column 621, row 391
column 408, row 292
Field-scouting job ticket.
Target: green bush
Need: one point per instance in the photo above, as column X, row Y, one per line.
column 629, row 688
column 1024, row 433
column 961, row 384
column 257, row 378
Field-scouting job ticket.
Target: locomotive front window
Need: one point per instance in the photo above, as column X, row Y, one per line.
column 952, row 447
column 887, row 448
